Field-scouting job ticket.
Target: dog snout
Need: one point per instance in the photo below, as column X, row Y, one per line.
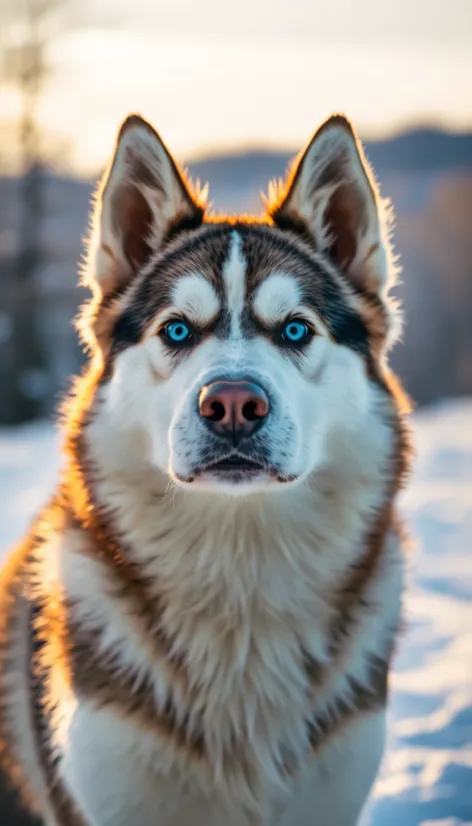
column 233, row 409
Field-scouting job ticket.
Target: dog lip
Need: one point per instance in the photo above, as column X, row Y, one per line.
column 236, row 466
column 235, row 462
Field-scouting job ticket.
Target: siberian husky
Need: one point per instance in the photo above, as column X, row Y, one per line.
column 198, row 628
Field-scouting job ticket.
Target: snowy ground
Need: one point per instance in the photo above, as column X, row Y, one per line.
column 427, row 773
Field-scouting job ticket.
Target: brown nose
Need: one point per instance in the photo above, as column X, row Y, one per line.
column 233, row 409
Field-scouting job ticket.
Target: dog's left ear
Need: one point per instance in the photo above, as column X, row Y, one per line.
column 331, row 197
column 142, row 199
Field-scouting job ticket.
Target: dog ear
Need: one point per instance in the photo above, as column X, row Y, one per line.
column 142, row 198
column 331, row 196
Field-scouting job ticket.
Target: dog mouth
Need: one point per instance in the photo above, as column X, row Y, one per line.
column 237, row 468
column 235, row 465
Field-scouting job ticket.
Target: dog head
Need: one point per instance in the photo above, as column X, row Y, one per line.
column 238, row 355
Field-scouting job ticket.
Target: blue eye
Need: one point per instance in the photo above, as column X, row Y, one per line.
column 178, row 332
column 295, row 332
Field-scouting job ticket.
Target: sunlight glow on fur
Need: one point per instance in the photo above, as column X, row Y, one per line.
column 216, row 584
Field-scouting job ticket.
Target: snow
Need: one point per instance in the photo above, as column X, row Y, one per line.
column 427, row 772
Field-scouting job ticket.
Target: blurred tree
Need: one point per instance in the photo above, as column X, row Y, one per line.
column 27, row 29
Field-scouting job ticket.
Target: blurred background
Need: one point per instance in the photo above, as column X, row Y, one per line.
column 235, row 91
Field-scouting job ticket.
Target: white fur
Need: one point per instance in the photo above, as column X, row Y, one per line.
column 242, row 591
column 276, row 297
column 195, row 297
column 334, row 788
column 227, row 565
column 326, row 396
column 330, row 789
column 250, row 581
column 234, row 280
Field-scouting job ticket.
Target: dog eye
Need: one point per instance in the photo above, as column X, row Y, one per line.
column 295, row 332
column 177, row 332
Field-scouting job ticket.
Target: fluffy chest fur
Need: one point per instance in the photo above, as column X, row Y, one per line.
column 236, row 639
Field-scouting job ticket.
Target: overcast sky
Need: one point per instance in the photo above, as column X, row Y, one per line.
column 212, row 74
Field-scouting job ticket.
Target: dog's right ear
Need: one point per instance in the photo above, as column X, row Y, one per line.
column 142, row 199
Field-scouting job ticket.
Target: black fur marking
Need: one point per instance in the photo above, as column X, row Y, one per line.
column 265, row 249
column 320, row 290
column 188, row 222
column 349, row 329
column 127, row 331
column 287, row 222
column 202, row 251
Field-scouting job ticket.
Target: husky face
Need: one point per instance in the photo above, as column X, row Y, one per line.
column 238, row 355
